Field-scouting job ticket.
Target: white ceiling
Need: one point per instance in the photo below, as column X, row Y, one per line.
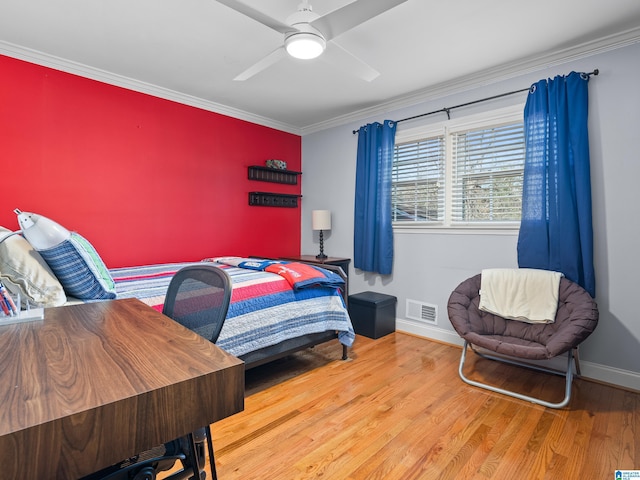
column 190, row 50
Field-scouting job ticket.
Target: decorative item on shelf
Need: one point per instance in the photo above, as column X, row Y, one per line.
column 321, row 220
column 277, row 164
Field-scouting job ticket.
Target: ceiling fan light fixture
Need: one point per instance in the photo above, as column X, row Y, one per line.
column 305, row 45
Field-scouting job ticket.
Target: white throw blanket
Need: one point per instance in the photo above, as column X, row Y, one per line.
column 524, row 294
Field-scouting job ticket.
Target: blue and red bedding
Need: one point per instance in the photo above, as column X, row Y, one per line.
column 265, row 307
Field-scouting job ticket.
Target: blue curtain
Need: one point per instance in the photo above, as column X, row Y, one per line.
column 373, row 236
column 556, row 229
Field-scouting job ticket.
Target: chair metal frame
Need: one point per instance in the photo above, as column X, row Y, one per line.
column 572, row 357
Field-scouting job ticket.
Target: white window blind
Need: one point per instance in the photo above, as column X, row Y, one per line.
column 487, row 172
column 419, row 181
column 465, row 172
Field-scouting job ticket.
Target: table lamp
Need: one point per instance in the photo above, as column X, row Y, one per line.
column 41, row 232
column 321, row 220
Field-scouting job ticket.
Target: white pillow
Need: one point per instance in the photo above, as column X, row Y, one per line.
column 24, row 271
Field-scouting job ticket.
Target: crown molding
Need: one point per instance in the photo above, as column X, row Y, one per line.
column 75, row 68
column 486, row 77
column 468, row 82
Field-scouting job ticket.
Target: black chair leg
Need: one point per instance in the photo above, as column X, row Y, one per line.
column 212, row 461
column 193, row 456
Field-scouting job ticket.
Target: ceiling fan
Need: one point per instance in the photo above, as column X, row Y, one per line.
column 307, row 34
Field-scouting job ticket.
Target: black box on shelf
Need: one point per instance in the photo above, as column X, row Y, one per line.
column 373, row 314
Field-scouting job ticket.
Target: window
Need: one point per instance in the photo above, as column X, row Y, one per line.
column 418, row 181
column 460, row 173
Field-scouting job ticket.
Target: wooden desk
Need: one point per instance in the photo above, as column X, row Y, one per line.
column 93, row 384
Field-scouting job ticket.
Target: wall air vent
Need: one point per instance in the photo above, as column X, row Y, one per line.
column 422, row 312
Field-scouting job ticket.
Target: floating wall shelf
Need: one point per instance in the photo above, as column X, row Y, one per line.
column 274, row 175
column 268, row 199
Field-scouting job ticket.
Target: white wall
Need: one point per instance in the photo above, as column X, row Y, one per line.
column 428, row 266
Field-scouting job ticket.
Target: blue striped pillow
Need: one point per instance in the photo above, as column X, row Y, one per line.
column 80, row 269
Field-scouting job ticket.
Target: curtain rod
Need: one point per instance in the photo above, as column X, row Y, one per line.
column 447, row 110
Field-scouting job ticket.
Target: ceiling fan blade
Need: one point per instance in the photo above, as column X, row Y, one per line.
column 345, row 18
column 347, row 62
column 263, row 64
column 258, row 16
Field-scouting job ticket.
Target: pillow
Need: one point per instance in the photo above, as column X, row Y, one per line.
column 80, row 269
column 24, row 271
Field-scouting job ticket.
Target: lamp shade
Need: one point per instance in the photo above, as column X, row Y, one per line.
column 321, row 219
column 41, row 232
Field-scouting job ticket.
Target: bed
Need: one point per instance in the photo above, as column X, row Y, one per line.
column 274, row 310
column 269, row 316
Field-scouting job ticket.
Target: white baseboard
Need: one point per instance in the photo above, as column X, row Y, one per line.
column 594, row 371
column 427, row 331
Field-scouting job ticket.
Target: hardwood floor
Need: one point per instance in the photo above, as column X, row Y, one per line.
column 398, row 410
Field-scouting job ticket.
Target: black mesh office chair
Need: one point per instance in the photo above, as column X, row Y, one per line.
column 198, row 298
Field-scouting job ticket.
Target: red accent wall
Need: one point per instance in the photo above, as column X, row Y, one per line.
column 145, row 180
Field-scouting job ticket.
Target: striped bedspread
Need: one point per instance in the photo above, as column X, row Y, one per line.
column 264, row 309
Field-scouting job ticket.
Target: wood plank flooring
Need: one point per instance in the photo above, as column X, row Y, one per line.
column 398, row 410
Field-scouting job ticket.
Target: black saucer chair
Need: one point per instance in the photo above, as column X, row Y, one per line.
column 517, row 342
column 198, row 298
